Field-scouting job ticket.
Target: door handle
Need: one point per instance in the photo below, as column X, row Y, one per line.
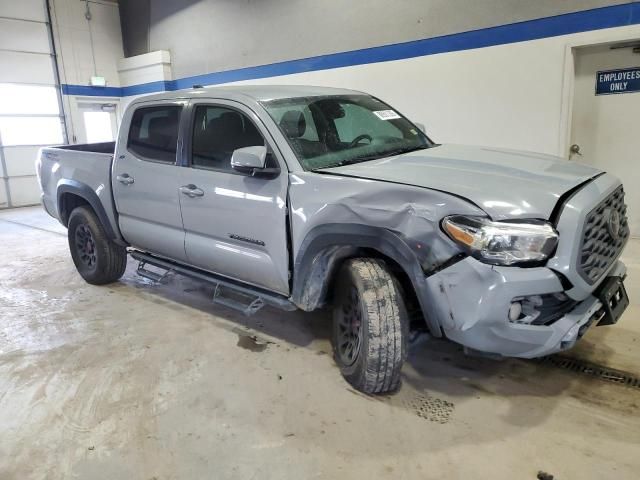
column 125, row 179
column 191, row 191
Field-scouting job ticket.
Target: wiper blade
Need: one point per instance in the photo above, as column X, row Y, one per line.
column 376, row 156
column 389, row 153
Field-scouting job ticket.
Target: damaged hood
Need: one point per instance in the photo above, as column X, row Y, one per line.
column 506, row 184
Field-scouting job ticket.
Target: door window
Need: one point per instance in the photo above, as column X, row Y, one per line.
column 153, row 134
column 97, row 126
column 217, row 132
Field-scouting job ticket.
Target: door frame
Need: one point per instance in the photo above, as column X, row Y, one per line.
column 77, row 129
column 626, row 34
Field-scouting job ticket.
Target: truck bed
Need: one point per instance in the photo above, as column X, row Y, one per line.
column 104, row 147
column 74, row 168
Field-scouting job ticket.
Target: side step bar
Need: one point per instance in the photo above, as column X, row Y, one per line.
column 227, row 292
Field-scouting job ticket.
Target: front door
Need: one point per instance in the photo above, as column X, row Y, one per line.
column 605, row 117
column 147, row 180
column 235, row 225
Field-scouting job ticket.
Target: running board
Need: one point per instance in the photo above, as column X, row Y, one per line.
column 151, row 275
column 241, row 297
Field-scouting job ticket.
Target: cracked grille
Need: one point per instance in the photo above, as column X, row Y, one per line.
column 600, row 247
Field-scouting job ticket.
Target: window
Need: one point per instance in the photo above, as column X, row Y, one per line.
column 97, row 126
column 28, row 99
column 29, row 115
column 30, row 130
column 153, row 134
column 217, row 132
column 334, row 130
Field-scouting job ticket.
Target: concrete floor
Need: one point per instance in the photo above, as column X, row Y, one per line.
column 139, row 381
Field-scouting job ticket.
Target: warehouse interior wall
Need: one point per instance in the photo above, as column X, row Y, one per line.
column 217, row 35
column 512, row 95
column 86, row 48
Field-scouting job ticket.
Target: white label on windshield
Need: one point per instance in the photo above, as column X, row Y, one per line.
column 386, row 115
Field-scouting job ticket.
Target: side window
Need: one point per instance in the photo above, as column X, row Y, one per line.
column 217, row 132
column 153, row 133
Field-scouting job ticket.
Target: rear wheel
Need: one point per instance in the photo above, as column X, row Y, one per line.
column 98, row 259
column 370, row 326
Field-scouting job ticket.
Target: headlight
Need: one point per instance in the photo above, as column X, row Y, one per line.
column 502, row 243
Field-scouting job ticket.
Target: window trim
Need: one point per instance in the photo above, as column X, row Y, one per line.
column 242, row 109
column 142, row 106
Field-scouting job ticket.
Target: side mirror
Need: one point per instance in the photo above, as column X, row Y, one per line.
column 252, row 161
column 249, row 158
column 420, row 126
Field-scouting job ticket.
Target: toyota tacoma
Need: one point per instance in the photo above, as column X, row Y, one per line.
column 304, row 197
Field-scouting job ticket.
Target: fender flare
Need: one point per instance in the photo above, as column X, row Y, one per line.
column 326, row 245
column 85, row 192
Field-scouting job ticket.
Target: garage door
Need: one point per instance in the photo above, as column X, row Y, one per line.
column 30, row 111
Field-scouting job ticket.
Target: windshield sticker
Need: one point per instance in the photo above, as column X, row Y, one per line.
column 386, row 115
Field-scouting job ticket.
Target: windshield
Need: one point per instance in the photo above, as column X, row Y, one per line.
column 329, row 131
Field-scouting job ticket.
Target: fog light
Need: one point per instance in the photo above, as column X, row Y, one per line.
column 515, row 310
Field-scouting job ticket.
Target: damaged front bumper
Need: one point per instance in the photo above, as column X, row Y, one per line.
column 471, row 302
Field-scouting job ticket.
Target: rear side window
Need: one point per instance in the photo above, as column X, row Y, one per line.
column 153, row 134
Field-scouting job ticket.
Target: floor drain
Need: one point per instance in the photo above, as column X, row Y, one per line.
column 607, row 374
column 431, row 408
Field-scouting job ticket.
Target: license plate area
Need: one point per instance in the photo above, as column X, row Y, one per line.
column 614, row 300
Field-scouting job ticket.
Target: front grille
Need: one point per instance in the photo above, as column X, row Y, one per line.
column 600, row 244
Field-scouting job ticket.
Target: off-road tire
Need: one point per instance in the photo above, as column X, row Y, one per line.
column 109, row 260
column 367, row 284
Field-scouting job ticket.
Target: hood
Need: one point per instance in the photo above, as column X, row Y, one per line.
column 507, row 184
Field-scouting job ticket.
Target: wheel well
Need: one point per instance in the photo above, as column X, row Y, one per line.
column 68, row 202
column 406, row 286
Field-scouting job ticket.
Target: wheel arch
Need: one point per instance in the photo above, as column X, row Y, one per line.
column 72, row 194
column 326, row 247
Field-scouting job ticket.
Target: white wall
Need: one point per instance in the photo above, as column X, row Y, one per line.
column 146, row 68
column 73, row 40
column 512, row 96
column 72, row 35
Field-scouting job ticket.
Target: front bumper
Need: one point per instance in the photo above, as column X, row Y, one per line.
column 471, row 301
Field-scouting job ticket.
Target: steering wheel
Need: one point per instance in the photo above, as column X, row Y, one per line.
column 359, row 138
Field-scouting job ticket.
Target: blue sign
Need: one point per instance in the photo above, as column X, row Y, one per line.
column 625, row 80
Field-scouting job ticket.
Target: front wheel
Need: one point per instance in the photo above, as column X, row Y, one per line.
column 98, row 259
column 370, row 326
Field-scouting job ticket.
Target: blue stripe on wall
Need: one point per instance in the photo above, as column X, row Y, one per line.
column 587, row 20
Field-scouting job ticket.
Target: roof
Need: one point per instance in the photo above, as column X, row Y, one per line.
column 256, row 92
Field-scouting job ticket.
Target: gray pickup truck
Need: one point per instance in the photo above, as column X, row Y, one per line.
column 301, row 197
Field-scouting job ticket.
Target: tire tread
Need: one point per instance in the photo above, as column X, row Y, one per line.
column 387, row 324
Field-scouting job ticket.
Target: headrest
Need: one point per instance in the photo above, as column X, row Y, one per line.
column 231, row 121
column 163, row 126
column 293, row 124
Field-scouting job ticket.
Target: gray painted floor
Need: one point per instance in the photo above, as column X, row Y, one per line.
column 138, row 381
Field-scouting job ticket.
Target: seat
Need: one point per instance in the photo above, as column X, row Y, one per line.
column 224, row 134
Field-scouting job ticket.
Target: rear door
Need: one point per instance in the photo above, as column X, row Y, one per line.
column 235, row 225
column 146, row 179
